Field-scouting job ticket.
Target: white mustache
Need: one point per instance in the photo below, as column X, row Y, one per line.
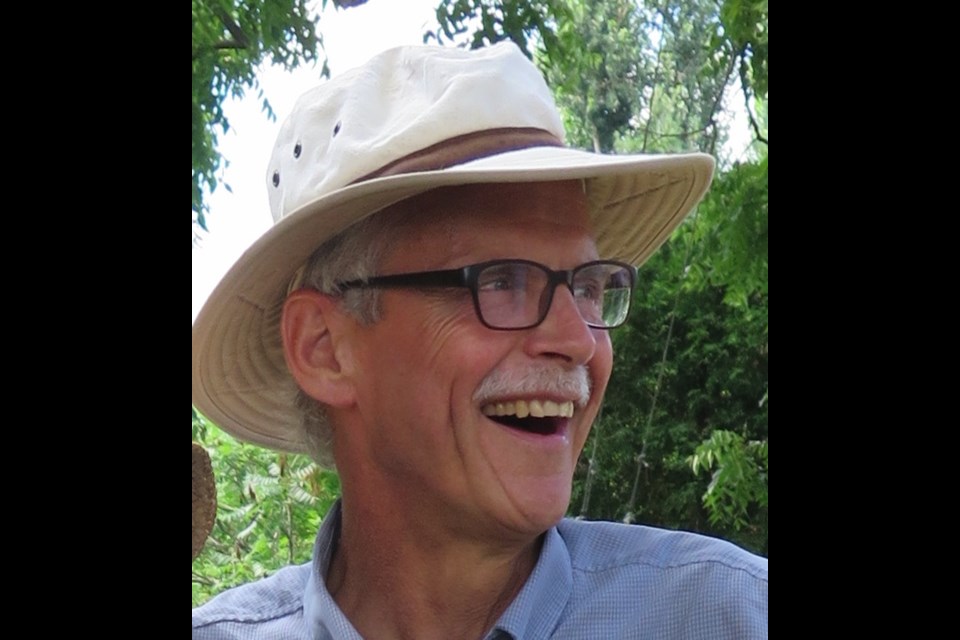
column 537, row 380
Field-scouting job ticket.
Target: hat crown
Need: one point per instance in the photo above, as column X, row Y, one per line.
column 400, row 102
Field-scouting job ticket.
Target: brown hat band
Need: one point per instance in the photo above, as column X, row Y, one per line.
column 470, row 146
column 452, row 152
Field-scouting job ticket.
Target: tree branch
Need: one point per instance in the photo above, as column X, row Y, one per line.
column 654, row 84
column 591, row 466
column 222, row 45
column 630, row 517
column 229, row 44
column 242, row 42
column 717, row 103
column 239, row 41
column 684, row 134
column 746, row 97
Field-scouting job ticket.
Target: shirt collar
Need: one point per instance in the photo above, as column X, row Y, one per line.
column 321, row 614
column 532, row 614
column 535, row 611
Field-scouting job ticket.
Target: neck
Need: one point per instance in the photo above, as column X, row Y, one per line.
column 393, row 579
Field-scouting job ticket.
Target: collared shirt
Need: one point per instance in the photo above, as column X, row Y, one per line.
column 592, row 580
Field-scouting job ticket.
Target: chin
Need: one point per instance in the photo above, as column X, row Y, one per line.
column 542, row 508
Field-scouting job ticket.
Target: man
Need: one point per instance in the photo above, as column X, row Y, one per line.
column 431, row 314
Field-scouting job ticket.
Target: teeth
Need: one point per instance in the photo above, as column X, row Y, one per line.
column 523, row 410
column 534, row 408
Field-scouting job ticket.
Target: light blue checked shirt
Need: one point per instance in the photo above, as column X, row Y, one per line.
column 593, row 580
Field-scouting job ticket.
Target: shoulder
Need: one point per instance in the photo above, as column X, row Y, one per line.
column 271, row 607
column 598, row 546
column 659, row 583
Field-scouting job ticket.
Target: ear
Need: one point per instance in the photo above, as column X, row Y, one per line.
column 311, row 348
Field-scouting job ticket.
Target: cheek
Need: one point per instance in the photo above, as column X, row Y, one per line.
column 430, row 348
column 601, row 367
column 439, row 330
column 602, row 360
column 426, row 364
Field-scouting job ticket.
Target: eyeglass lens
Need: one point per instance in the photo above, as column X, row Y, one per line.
column 519, row 294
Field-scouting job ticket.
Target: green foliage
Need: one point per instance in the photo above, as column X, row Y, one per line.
column 269, row 507
column 732, row 235
column 686, row 364
column 231, row 38
column 739, row 481
column 491, row 21
column 745, row 24
column 627, row 77
column 745, row 29
column 598, row 67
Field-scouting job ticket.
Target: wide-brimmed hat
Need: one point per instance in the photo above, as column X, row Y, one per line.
column 410, row 120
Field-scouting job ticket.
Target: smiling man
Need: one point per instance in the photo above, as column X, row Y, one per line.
column 431, row 315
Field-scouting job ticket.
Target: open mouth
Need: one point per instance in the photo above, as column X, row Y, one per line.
column 540, row 426
column 542, row 417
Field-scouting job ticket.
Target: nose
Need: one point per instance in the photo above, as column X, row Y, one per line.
column 564, row 333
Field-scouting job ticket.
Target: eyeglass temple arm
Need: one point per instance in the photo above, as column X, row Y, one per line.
column 446, row 278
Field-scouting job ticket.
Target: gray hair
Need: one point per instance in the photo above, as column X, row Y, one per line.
column 353, row 254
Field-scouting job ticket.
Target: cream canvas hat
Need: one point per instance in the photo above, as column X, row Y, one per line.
column 409, row 120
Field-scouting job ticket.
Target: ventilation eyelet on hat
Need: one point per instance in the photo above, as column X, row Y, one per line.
column 336, row 129
column 276, row 178
column 297, row 149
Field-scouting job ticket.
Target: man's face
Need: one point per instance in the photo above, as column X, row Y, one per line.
column 421, row 427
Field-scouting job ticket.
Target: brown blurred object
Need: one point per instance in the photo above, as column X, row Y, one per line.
column 204, row 498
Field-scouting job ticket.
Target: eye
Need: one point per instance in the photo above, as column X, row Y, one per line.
column 503, row 277
column 499, row 282
column 589, row 289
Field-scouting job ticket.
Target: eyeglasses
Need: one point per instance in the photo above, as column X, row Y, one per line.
column 517, row 294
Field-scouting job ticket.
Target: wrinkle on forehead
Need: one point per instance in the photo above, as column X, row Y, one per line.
column 447, row 218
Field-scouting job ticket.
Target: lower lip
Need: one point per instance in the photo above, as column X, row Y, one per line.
column 557, row 439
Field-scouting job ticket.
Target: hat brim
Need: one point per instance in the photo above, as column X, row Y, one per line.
column 240, row 379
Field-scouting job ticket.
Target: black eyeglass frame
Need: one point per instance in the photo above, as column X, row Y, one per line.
column 468, row 276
